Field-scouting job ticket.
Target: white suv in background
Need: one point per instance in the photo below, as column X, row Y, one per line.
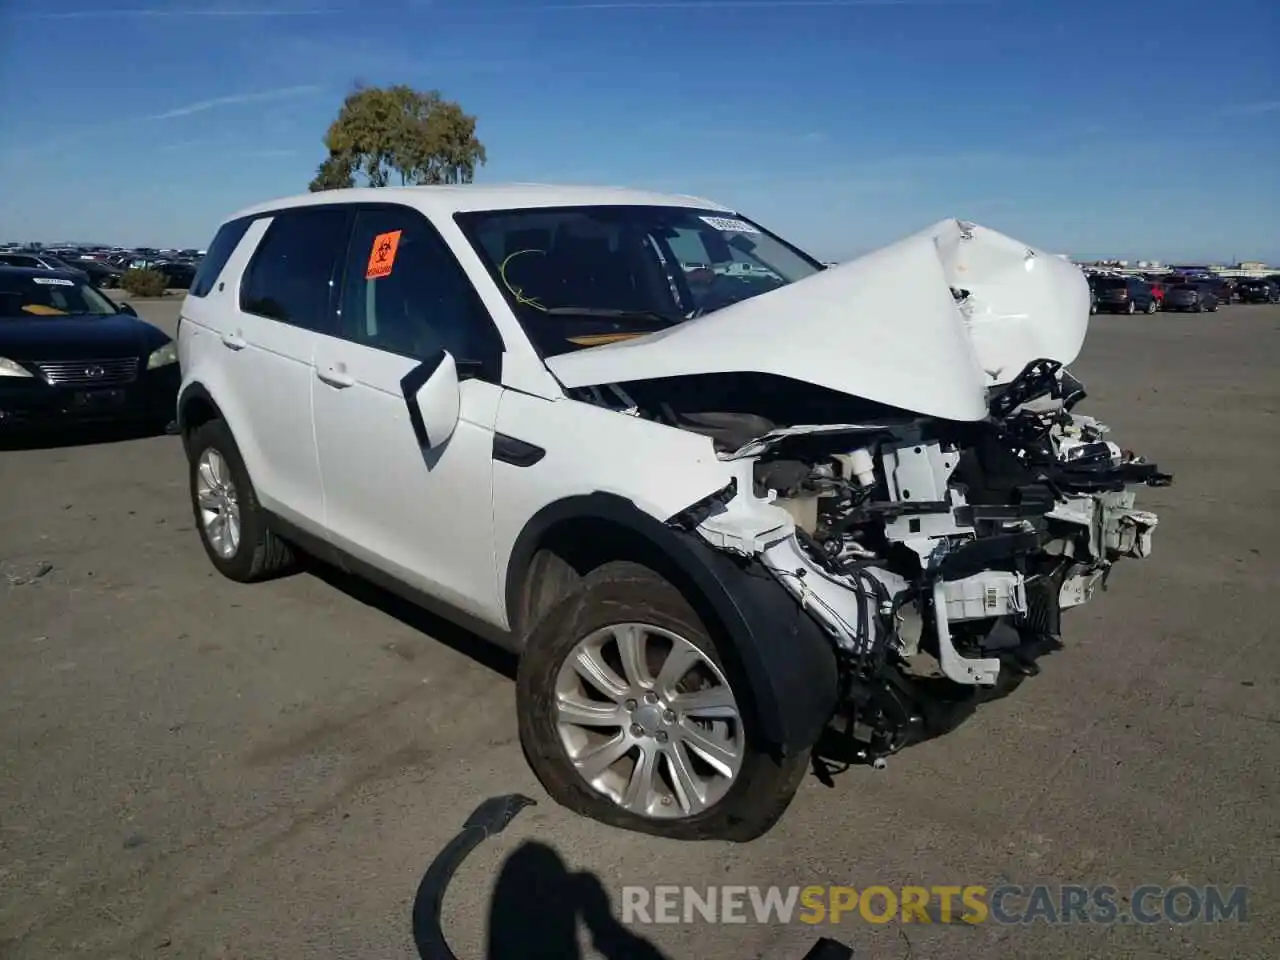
column 712, row 508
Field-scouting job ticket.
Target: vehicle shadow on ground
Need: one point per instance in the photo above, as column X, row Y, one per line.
column 435, row 627
column 535, row 910
column 87, row 435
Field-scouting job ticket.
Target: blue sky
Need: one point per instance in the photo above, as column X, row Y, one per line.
column 1124, row 128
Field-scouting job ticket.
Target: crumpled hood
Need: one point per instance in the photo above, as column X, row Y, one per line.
column 884, row 327
column 1024, row 304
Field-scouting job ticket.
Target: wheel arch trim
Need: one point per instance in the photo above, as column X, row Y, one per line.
column 786, row 659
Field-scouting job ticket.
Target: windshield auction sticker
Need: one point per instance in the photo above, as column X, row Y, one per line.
column 383, row 255
column 729, row 225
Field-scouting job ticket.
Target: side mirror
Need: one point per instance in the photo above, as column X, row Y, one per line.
column 129, row 309
column 431, row 392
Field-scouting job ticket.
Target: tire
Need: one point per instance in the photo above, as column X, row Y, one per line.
column 1152, row 306
column 1198, row 308
column 259, row 553
column 627, row 593
column 1131, row 309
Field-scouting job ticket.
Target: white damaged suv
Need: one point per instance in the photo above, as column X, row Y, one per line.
column 722, row 500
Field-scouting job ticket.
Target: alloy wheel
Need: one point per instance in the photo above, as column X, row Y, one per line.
column 649, row 721
column 219, row 503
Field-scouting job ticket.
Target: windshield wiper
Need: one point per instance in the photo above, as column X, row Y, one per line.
column 612, row 314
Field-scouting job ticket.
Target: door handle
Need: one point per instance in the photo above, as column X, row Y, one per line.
column 335, row 377
column 233, row 341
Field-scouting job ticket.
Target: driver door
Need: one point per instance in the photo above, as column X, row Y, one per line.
column 420, row 514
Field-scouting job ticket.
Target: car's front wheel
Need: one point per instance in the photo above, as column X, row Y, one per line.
column 1152, row 306
column 631, row 713
column 232, row 525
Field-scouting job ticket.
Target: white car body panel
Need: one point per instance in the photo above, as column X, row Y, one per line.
column 392, row 504
column 660, row 469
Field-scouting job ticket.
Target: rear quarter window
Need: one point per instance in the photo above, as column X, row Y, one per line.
column 290, row 277
column 224, row 244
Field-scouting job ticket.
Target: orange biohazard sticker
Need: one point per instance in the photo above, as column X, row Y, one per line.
column 383, row 255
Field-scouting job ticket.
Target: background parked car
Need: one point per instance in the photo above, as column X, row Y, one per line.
column 100, row 274
column 1191, row 297
column 179, row 275
column 68, row 354
column 1258, row 291
column 1124, row 295
column 1224, row 288
column 40, row 261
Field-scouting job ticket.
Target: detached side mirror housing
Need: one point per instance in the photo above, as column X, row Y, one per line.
column 431, row 393
column 129, row 309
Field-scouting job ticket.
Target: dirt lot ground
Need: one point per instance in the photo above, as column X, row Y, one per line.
column 192, row 768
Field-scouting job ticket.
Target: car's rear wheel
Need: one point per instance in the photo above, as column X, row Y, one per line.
column 232, row 524
column 1131, row 308
column 630, row 713
column 1151, row 306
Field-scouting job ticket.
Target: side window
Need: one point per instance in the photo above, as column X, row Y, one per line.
column 290, row 277
column 224, row 244
column 405, row 293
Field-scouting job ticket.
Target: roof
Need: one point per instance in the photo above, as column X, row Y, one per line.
column 458, row 198
column 8, row 271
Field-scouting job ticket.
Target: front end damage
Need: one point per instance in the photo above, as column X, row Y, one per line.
column 938, row 556
column 908, row 463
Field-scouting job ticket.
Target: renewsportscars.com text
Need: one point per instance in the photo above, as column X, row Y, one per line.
column 1004, row 904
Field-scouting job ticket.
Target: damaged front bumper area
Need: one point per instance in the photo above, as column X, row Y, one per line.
column 937, row 556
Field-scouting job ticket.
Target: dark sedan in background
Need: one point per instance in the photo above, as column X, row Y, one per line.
column 1258, row 291
column 101, row 275
column 68, row 354
column 1224, row 288
column 1191, row 297
column 1124, row 295
column 40, row 261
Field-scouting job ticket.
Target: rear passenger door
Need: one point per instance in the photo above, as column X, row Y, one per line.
column 422, row 515
column 286, row 300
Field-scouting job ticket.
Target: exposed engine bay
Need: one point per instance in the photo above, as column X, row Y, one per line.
column 937, row 555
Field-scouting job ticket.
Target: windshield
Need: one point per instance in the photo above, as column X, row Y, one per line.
column 582, row 276
column 27, row 295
